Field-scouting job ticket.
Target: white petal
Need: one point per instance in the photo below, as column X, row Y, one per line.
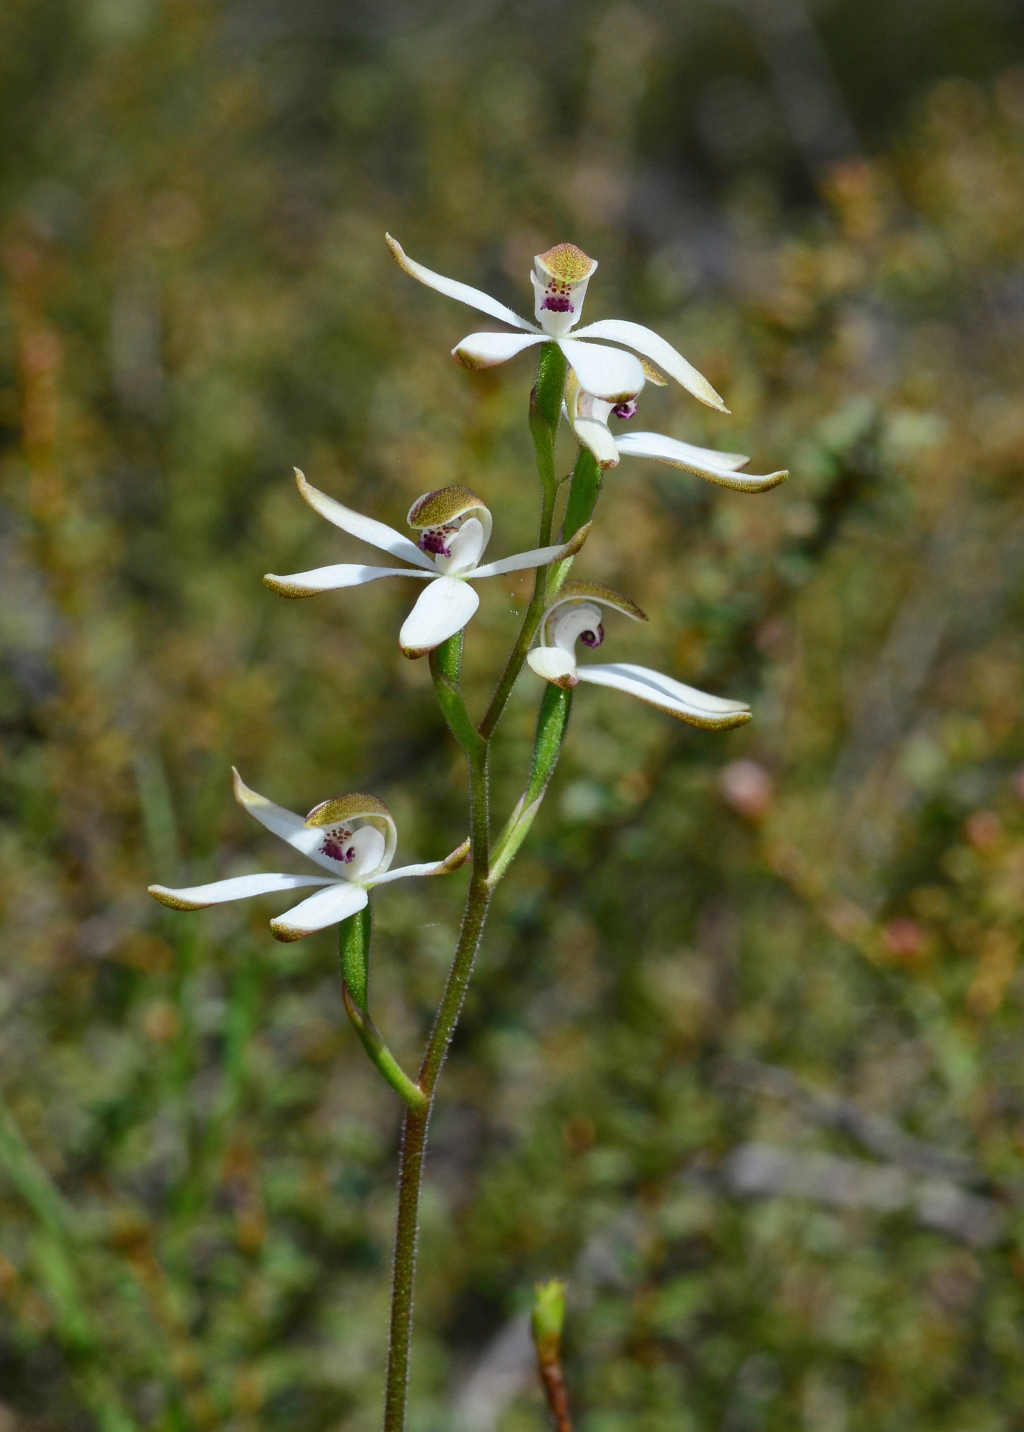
column 451, row 862
column 282, row 822
column 695, row 707
column 554, row 665
column 199, row 897
column 605, row 372
column 596, row 438
column 539, row 557
column 652, row 346
column 327, row 907
column 442, row 610
column 486, row 350
column 466, row 548
column 705, row 462
column 367, row 529
column 331, row 579
column 451, row 288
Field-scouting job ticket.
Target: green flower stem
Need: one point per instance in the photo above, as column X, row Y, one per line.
column 414, row 1131
column 380, row 1055
column 584, row 490
column 546, row 408
column 354, row 949
column 545, row 412
column 552, row 720
column 445, row 668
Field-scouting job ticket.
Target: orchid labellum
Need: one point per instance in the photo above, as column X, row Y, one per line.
column 453, row 527
column 354, row 837
column 576, row 616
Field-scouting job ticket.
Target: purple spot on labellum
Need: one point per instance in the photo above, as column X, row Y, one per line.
column 626, row 410
column 331, row 848
column 435, row 541
column 558, row 305
column 592, row 638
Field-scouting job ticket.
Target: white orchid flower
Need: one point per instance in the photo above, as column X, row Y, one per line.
column 454, row 528
column 560, row 279
column 354, row 837
column 589, row 415
column 576, row 616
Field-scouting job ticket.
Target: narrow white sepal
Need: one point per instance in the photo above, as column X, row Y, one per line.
column 539, row 557
column 241, row 887
column 653, row 346
column 698, row 708
column 487, row 350
column 715, row 467
column 451, row 288
column 367, row 529
column 429, row 867
column 605, row 372
column 327, row 907
column 284, row 823
column 440, row 611
column 332, row 579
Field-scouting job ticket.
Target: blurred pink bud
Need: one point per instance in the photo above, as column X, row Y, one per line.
column 904, row 938
column 983, row 829
column 748, row 788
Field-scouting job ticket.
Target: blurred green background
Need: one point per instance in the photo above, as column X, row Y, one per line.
column 743, row 1054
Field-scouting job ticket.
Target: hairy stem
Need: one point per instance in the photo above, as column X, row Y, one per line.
column 445, row 668
column 414, row 1129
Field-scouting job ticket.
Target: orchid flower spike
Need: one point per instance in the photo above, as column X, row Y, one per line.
column 353, row 837
column 576, row 616
column 453, row 528
column 589, row 417
column 560, row 279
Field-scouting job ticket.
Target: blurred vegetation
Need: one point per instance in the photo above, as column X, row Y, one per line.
column 742, row 1056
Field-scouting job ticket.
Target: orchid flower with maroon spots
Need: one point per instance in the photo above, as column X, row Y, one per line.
column 453, row 528
column 589, row 416
column 576, row 616
column 354, row 837
column 560, row 278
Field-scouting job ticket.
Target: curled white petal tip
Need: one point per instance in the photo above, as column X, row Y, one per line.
column 554, row 665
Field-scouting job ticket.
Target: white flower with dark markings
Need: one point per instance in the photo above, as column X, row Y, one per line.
column 453, row 527
column 589, row 417
column 576, row 616
column 353, row 837
column 560, row 277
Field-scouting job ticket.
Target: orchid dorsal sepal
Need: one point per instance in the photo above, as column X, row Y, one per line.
column 454, row 528
column 560, row 277
column 576, row 616
column 353, row 837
